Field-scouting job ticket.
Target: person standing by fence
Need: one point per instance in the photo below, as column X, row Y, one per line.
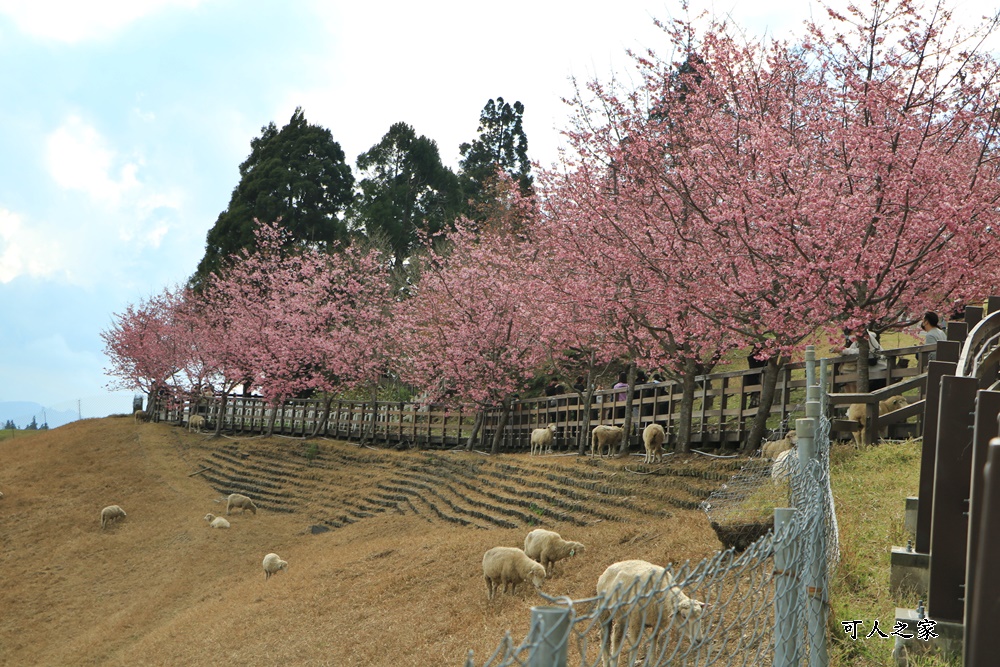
column 932, row 331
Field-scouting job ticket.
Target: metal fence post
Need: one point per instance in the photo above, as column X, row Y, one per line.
column 786, row 589
column 549, row 636
column 814, row 570
column 810, row 366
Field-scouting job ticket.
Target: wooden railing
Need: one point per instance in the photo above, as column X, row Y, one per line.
column 724, row 408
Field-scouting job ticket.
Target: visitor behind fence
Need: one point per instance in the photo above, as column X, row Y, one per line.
column 620, row 397
column 932, row 331
column 876, row 359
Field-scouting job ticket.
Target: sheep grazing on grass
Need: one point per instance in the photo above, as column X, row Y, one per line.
column 240, row 502
column 548, row 547
column 858, row 413
column 605, row 436
column 661, row 606
column 216, row 521
column 541, row 439
column 273, row 563
column 140, row 416
column 770, row 450
column 784, row 464
column 653, row 437
column 509, row 566
column 111, row 514
column 196, row 422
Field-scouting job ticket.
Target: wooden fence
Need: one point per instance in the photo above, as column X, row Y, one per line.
column 958, row 517
column 724, row 409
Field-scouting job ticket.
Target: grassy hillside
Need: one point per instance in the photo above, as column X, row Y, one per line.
column 396, row 580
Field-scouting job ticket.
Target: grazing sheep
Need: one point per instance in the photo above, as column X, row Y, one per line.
column 240, row 502
column 858, row 413
column 661, row 602
column 770, row 450
column 541, row 438
column 784, row 464
column 653, row 437
column 548, row 547
column 1, row 494
column 196, row 422
column 273, row 563
column 216, row 521
column 603, row 436
column 509, row 566
column 110, row 514
column 140, row 416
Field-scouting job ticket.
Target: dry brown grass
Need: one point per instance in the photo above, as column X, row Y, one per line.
column 399, row 586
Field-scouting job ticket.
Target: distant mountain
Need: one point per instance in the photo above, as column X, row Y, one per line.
column 21, row 413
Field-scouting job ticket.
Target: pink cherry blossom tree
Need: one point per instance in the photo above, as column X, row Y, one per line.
column 305, row 320
column 465, row 334
column 837, row 180
column 144, row 347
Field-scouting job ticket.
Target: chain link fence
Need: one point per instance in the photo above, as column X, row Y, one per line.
column 763, row 600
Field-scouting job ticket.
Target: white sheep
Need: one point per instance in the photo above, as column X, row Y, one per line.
column 273, row 563
column 110, row 514
column 548, row 547
column 653, row 437
column 1, row 494
column 784, row 464
column 604, row 435
column 140, row 416
column 638, row 594
column 240, row 502
column 859, row 413
column 770, row 450
column 216, row 521
column 541, row 439
column 509, row 566
column 196, row 422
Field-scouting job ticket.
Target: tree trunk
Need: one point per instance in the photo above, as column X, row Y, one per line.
column 222, row 412
column 504, row 416
column 270, row 422
column 686, row 416
column 627, row 427
column 585, row 405
column 767, row 392
column 864, row 351
column 321, row 423
column 480, row 418
column 374, row 412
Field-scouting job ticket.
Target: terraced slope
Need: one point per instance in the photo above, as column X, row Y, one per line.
column 395, row 580
column 337, row 484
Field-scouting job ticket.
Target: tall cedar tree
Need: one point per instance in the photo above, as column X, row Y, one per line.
column 296, row 174
column 501, row 146
column 406, row 190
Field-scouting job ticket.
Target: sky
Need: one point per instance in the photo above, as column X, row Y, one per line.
column 123, row 124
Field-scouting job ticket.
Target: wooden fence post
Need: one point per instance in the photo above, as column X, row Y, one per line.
column 949, row 514
column 987, row 409
column 982, row 642
column 935, row 371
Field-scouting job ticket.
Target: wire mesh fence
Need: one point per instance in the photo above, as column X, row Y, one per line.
column 762, row 600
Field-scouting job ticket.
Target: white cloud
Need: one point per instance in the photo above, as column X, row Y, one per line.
column 113, row 216
column 26, row 251
column 79, row 159
column 73, row 21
